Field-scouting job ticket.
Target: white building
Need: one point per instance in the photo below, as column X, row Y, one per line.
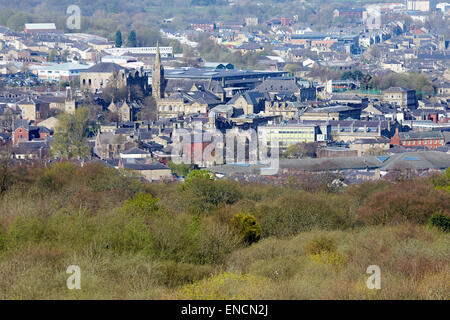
column 59, row 72
column 39, row 27
column 420, row 5
column 164, row 51
column 444, row 7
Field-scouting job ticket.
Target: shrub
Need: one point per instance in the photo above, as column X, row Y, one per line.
column 58, row 175
column 2, row 242
column 211, row 244
column 123, row 234
column 302, row 211
column 174, row 274
column 222, row 286
column 204, row 193
column 188, row 239
column 442, row 181
column 321, row 245
column 440, row 221
column 247, row 226
column 141, row 205
column 25, row 230
column 410, row 201
column 334, row 259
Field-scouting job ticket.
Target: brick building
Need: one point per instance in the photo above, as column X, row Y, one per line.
column 428, row 139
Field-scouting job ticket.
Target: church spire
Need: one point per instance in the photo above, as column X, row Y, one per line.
column 158, row 55
column 158, row 81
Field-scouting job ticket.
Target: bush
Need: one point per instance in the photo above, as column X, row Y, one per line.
column 441, row 222
column 409, row 201
column 173, row 274
column 334, row 259
column 211, row 244
column 141, row 205
column 123, row 234
column 321, row 245
column 205, row 194
column 442, row 181
column 229, row 286
column 25, row 230
column 247, row 226
column 58, row 175
column 188, row 239
column 302, row 211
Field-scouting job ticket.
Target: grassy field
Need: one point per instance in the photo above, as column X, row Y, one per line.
column 134, row 240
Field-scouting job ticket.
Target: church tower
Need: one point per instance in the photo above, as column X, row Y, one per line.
column 158, row 81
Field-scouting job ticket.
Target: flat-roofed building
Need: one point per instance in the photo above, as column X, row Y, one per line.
column 420, row 5
column 61, row 71
column 290, row 134
column 40, row 28
column 330, row 113
column 165, row 52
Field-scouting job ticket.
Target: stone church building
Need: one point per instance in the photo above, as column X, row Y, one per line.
column 99, row 76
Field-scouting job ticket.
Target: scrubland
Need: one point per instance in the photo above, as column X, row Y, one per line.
column 206, row 239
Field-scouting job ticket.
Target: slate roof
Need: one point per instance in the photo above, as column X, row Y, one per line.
column 249, row 46
column 135, row 151
column 271, row 85
column 396, row 89
column 252, row 97
column 144, row 166
column 105, row 67
column 420, row 160
column 411, row 135
column 186, row 85
column 329, row 109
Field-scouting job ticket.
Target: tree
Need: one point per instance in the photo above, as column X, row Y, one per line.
column 64, row 55
column 118, row 39
column 132, row 39
column 300, row 150
column 5, row 172
column 53, row 56
column 291, row 67
column 17, row 20
column 365, row 81
column 148, row 111
column 181, row 169
column 114, row 91
column 71, row 135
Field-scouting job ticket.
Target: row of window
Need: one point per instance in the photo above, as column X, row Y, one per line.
column 290, row 132
column 416, row 142
column 177, row 109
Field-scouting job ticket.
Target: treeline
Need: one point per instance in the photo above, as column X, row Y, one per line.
column 105, row 16
column 416, row 81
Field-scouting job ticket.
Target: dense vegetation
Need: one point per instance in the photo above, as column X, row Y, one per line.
column 207, row 238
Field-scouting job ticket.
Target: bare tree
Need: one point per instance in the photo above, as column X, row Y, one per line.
column 5, row 170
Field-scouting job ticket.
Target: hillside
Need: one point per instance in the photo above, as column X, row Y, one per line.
column 206, row 239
